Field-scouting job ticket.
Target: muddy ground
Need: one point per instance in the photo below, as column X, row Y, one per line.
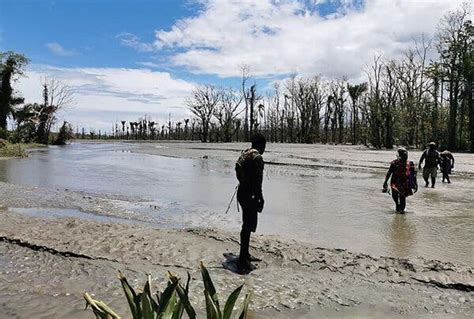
column 47, row 264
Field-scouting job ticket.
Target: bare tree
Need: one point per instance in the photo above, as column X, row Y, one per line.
column 227, row 111
column 56, row 96
column 246, row 96
column 338, row 93
column 203, row 104
column 355, row 92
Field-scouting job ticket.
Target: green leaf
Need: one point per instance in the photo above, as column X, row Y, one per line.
column 209, row 287
column 187, row 283
column 147, row 309
column 178, row 310
column 170, row 307
column 100, row 309
column 166, row 297
column 147, row 291
column 229, row 305
column 132, row 297
column 211, row 308
column 245, row 309
column 184, row 298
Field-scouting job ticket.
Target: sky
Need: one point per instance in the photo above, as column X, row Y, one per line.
column 126, row 59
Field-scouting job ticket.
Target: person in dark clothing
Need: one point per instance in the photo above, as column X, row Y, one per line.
column 403, row 180
column 447, row 164
column 432, row 159
column 249, row 169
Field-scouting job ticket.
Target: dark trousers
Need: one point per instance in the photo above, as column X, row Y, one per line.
column 446, row 172
column 400, row 201
column 249, row 223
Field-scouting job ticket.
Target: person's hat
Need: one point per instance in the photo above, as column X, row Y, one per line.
column 432, row 144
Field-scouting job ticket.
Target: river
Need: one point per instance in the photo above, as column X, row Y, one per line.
column 336, row 203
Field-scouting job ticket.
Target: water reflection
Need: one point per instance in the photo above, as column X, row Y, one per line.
column 402, row 234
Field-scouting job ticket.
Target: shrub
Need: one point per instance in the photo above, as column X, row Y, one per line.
column 65, row 133
column 172, row 302
column 12, row 150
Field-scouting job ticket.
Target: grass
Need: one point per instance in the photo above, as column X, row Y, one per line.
column 12, row 150
column 19, row 150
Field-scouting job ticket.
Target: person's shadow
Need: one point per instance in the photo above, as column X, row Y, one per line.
column 230, row 263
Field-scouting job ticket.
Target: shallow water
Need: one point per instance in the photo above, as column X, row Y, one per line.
column 331, row 207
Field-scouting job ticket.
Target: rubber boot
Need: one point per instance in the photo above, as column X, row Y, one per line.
column 433, row 182
column 244, row 254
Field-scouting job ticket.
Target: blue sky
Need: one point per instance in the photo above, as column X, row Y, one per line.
column 129, row 58
column 88, row 30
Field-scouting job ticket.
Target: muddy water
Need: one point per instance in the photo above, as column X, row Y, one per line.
column 331, row 207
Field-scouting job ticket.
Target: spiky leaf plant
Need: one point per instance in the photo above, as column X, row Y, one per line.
column 172, row 302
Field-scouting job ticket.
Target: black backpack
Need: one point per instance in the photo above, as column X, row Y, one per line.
column 242, row 163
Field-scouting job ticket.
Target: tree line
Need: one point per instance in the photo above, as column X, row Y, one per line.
column 410, row 100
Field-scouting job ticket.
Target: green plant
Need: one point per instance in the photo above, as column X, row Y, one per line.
column 65, row 134
column 12, row 150
column 172, row 302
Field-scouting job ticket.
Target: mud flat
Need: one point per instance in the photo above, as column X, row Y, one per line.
column 48, row 259
column 348, row 157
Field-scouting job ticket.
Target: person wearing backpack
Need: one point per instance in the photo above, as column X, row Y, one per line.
column 249, row 171
column 403, row 180
column 432, row 159
column 447, row 164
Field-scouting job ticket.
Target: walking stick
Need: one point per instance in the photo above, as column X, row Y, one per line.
column 232, row 199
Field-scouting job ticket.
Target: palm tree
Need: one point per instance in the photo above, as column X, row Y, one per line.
column 355, row 91
column 11, row 64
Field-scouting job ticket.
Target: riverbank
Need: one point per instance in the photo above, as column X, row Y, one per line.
column 17, row 150
column 48, row 262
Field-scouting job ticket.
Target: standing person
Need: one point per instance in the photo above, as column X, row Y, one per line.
column 431, row 158
column 403, row 182
column 249, row 170
column 447, row 164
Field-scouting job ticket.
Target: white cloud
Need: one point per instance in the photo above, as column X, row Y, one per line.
column 280, row 37
column 103, row 95
column 131, row 40
column 59, row 50
column 150, row 64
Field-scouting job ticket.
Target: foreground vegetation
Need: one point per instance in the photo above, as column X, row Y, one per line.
column 172, row 302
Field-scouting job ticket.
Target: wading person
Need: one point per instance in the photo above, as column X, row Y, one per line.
column 403, row 179
column 446, row 165
column 431, row 158
column 249, row 170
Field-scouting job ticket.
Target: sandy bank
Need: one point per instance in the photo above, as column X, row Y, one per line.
column 47, row 263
